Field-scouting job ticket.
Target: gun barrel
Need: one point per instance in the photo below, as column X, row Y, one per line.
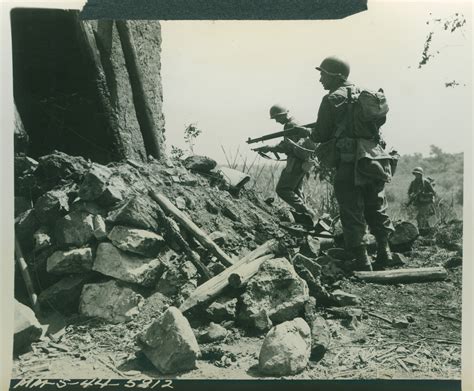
column 271, row 136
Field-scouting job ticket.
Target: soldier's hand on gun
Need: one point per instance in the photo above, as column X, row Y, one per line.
column 265, row 149
column 304, row 132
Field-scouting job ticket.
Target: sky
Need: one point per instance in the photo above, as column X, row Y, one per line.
column 225, row 75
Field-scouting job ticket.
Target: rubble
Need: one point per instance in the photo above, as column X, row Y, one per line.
column 74, row 229
column 51, row 205
column 345, row 299
column 137, row 212
column 218, row 237
column 275, row 290
column 286, row 349
column 68, row 262
column 135, row 269
column 182, row 279
column 41, row 239
column 214, row 332
column 64, row 295
column 201, row 164
column 110, row 300
column 100, row 229
column 95, row 182
column 400, row 322
column 403, row 237
column 58, row 167
column 310, row 247
column 169, row 343
column 26, row 225
column 224, row 308
column 136, row 241
column 320, row 337
column 27, row 329
column 115, row 191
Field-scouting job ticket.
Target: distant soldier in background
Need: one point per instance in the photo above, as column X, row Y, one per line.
column 295, row 145
column 422, row 196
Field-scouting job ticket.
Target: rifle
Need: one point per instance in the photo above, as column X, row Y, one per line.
column 283, row 133
column 263, row 154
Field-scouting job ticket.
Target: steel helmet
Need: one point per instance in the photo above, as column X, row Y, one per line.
column 417, row 170
column 277, row 110
column 334, row 66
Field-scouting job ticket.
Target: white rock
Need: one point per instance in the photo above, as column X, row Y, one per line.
column 136, row 240
column 78, row 260
column 286, row 349
column 110, row 301
column 170, row 344
column 114, row 262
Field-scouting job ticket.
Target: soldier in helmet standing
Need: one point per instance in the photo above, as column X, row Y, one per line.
column 290, row 185
column 421, row 194
column 361, row 199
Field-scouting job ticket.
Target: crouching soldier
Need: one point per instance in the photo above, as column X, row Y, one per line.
column 298, row 147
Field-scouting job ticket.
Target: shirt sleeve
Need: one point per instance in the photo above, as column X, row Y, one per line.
column 324, row 127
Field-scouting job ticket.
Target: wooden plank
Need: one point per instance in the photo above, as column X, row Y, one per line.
column 241, row 276
column 189, row 225
column 404, row 275
column 215, row 285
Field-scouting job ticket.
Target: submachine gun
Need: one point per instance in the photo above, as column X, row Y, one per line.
column 271, row 136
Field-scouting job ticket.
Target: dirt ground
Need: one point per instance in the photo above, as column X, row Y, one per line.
column 369, row 348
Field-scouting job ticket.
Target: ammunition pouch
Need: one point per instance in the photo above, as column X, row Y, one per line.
column 347, row 149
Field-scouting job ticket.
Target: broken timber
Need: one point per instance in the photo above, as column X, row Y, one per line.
column 215, row 285
column 26, row 276
column 187, row 223
column 173, row 233
column 404, row 275
column 240, row 277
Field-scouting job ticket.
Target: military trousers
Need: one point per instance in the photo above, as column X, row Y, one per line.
column 360, row 206
column 290, row 186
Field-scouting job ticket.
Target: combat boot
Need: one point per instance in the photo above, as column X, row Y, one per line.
column 384, row 255
column 361, row 259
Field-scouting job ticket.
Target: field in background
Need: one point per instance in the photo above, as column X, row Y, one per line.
column 445, row 168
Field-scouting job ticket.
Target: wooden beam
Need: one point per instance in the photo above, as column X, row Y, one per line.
column 404, row 275
column 26, row 277
column 189, row 225
column 215, row 285
column 241, row 276
column 172, row 233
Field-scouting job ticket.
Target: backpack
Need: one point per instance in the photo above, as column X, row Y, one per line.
column 369, row 109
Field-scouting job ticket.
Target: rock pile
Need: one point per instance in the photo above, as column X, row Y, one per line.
column 99, row 245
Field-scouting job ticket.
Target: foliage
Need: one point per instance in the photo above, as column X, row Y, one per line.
column 191, row 132
column 176, row 153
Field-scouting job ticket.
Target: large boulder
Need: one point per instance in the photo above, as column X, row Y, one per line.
column 286, row 349
column 276, row 290
column 138, row 212
column 170, row 344
column 51, row 206
column 59, row 167
column 95, row 182
column 78, row 260
column 64, row 295
column 111, row 301
column 136, row 241
column 403, row 237
column 198, row 163
column 74, row 229
column 27, row 328
column 116, row 263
